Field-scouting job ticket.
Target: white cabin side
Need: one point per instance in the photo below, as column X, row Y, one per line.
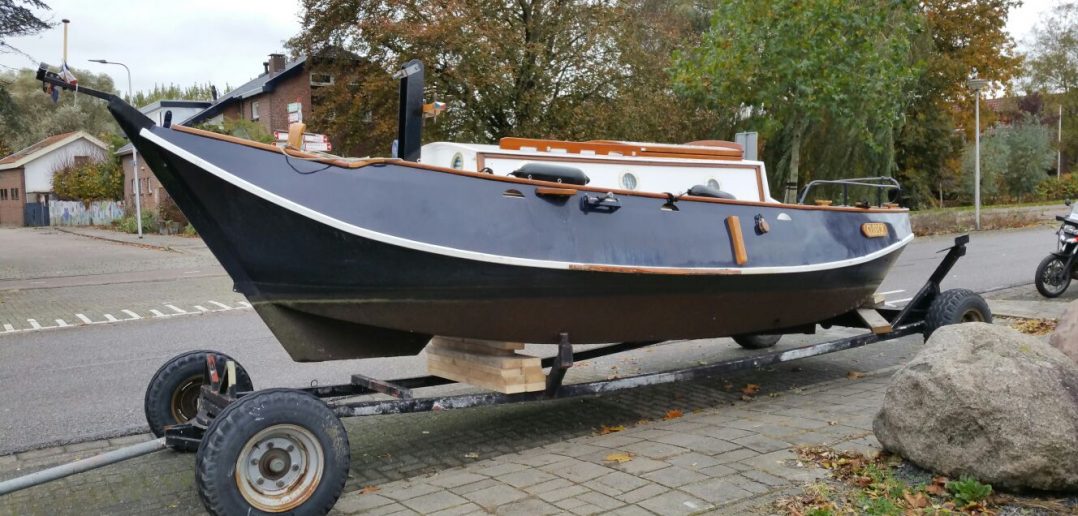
column 745, row 180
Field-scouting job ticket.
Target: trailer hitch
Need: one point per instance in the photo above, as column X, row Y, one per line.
column 931, row 289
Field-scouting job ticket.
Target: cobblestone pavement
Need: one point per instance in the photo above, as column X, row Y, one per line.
column 521, row 458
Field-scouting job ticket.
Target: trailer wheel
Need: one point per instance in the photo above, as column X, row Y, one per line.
column 172, row 395
column 956, row 306
column 756, row 341
column 277, row 450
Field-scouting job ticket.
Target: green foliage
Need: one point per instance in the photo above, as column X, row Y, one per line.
column 189, row 231
column 1065, row 187
column 94, row 181
column 246, row 129
column 33, row 116
column 1014, row 160
column 175, row 92
column 129, row 224
column 968, row 490
column 1052, row 67
column 823, row 70
column 17, row 17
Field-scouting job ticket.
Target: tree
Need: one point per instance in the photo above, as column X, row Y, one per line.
column 35, row 116
column 174, row 92
column 1014, row 160
column 958, row 37
column 17, row 17
column 570, row 69
column 798, row 66
column 1052, row 67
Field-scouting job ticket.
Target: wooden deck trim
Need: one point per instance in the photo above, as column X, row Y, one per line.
column 737, row 240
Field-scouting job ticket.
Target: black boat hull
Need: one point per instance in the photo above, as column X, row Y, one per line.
column 352, row 263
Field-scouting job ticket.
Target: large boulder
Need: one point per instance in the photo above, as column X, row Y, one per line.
column 1065, row 338
column 990, row 402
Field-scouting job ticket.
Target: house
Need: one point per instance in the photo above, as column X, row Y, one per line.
column 26, row 176
column 266, row 98
column 150, row 188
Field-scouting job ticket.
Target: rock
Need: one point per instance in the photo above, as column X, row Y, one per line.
column 990, row 402
column 1065, row 338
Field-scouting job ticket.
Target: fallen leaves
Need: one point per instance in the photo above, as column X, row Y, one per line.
column 369, row 490
column 855, row 375
column 619, row 457
column 603, row 430
column 471, row 455
column 1035, row 326
column 750, row 389
column 673, row 414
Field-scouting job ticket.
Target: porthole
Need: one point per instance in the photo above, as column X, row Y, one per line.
column 458, row 161
column 628, row 181
column 714, row 183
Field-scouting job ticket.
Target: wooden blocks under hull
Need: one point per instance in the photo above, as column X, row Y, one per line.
column 488, row 364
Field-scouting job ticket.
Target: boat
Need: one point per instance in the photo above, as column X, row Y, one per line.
column 526, row 241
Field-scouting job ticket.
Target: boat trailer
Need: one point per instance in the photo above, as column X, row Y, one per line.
column 282, row 469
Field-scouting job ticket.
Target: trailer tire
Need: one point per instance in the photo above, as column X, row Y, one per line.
column 168, row 399
column 272, row 451
column 956, row 306
column 756, row 341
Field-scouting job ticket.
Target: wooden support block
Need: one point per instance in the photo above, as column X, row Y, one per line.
column 877, row 301
column 489, row 364
column 737, row 241
column 874, row 320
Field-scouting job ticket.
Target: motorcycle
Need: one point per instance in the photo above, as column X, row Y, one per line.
column 1056, row 270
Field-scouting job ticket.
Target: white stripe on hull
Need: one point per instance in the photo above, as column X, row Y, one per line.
column 486, row 257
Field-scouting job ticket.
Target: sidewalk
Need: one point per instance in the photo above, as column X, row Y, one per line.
column 165, row 242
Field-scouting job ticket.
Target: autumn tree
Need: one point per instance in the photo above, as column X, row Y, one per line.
column 573, row 69
column 798, row 69
column 1052, row 67
column 958, row 36
column 37, row 116
column 17, row 18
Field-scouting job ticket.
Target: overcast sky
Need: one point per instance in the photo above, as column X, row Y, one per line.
column 215, row 41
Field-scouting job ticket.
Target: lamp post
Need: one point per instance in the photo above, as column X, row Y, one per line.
column 134, row 151
column 977, row 85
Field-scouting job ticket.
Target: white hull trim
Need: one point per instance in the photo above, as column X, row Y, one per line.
column 486, row 257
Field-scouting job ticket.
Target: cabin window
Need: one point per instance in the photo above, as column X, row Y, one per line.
column 254, row 110
column 321, row 79
column 458, row 161
column 628, row 181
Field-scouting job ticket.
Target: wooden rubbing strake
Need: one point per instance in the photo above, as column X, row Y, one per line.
column 488, row 364
column 733, row 224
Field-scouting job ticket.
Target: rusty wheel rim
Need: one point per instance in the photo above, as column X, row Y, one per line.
column 184, row 405
column 279, row 468
column 972, row 316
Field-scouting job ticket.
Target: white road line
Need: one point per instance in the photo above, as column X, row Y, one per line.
column 222, row 305
column 201, row 308
column 244, row 303
column 889, row 292
column 177, row 309
column 900, row 300
column 34, row 324
column 157, row 313
column 84, row 319
column 61, row 323
column 111, row 318
column 132, row 314
column 8, row 328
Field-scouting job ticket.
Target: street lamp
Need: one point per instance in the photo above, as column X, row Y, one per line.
column 977, row 85
column 134, row 151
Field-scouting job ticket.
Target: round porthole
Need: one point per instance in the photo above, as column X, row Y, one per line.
column 458, row 161
column 628, row 181
column 714, row 183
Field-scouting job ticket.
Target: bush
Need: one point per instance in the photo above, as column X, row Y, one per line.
column 128, row 225
column 100, row 181
column 189, row 231
column 1053, row 189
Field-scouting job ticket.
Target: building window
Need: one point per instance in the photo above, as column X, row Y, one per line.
column 254, row 110
column 3, row 194
column 321, row 79
column 81, row 160
column 14, row 194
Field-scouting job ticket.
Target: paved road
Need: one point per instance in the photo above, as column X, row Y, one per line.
column 79, row 383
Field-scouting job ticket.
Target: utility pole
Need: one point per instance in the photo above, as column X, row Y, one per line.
column 977, row 85
column 1059, row 144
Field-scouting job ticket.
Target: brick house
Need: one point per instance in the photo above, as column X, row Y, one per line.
column 26, row 176
column 152, row 193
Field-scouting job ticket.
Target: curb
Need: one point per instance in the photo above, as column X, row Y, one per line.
column 118, row 241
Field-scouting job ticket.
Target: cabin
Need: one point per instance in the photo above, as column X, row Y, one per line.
column 711, row 168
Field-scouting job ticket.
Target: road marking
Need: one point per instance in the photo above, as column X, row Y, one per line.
column 84, row 319
column 891, row 292
column 177, row 309
column 222, row 305
column 132, row 314
column 244, row 303
column 201, row 308
column 900, row 300
column 8, row 328
column 61, row 323
column 157, row 313
column 110, row 318
column 34, row 324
